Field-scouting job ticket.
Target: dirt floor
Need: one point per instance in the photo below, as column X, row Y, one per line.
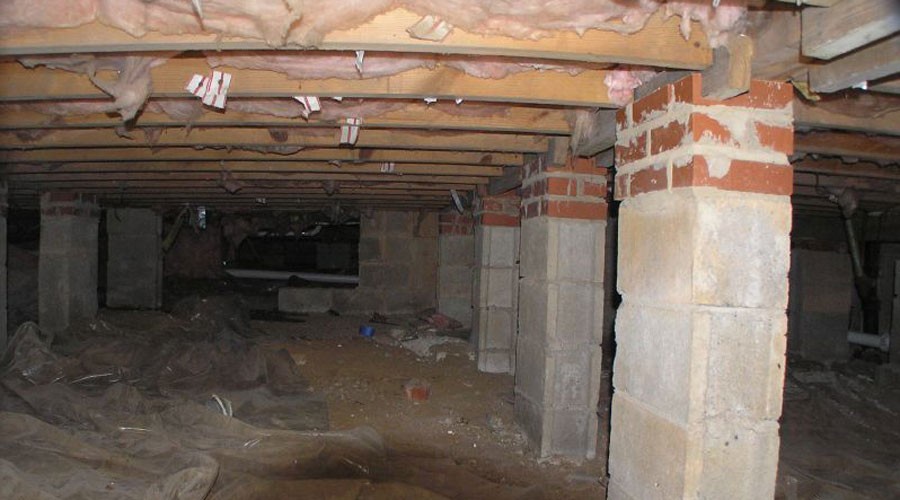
column 464, row 435
column 123, row 408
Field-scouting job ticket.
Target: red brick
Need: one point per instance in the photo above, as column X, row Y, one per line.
column 780, row 139
column 417, row 390
column 667, row 137
column 657, row 101
column 621, row 186
column 61, row 196
column 633, row 150
column 577, row 209
column 561, row 186
column 622, row 116
column 581, row 165
column 747, row 176
column 706, row 126
column 593, row 189
column 530, row 210
column 648, row 180
column 688, row 89
column 762, row 94
column 495, row 219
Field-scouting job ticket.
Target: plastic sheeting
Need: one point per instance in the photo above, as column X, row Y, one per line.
column 127, row 413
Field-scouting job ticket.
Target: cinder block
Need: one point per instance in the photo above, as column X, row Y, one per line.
column 533, row 311
column 578, row 322
column 736, row 461
column 501, row 327
column 370, row 249
column 743, row 345
column 653, row 358
column 504, row 250
column 457, row 250
column 742, row 252
column 531, row 369
column 647, row 453
column 304, row 300
column 568, row 433
column 501, row 287
column 535, row 256
column 568, row 375
column 494, row 362
column 656, row 247
column 581, row 249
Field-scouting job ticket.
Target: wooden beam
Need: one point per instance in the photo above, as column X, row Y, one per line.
column 812, row 192
column 776, row 35
column 511, row 179
column 848, row 25
column 169, row 79
column 857, row 183
column 181, row 154
column 871, row 63
column 594, row 132
column 659, row 43
column 198, row 178
column 856, row 111
column 252, row 137
column 889, row 85
column 730, row 74
column 836, row 167
column 814, row 3
column 886, row 148
column 519, row 119
column 251, row 167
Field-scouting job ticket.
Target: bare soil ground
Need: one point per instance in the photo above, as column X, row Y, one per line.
column 460, row 443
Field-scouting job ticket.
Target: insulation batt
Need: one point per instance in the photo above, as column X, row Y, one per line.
column 305, row 22
column 622, row 82
column 322, row 65
column 131, row 88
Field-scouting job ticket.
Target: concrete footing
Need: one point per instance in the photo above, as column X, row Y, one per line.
column 134, row 266
column 67, row 269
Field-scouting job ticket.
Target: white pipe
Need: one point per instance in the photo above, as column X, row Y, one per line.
column 882, row 342
column 286, row 275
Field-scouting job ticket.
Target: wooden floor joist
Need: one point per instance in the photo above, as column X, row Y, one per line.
column 388, row 139
column 169, row 80
column 279, row 180
column 659, row 43
column 862, row 112
column 849, row 145
column 247, row 168
column 518, row 119
column 186, row 153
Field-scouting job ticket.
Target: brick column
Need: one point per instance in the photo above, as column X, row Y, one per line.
column 134, row 263
column 4, row 336
column 496, row 281
column 704, row 253
column 561, row 300
column 67, row 266
column 456, row 255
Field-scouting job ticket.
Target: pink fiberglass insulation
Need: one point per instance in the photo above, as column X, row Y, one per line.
column 622, row 82
column 305, row 22
column 717, row 22
column 131, row 87
column 322, row 65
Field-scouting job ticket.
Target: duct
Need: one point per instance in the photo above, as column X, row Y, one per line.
column 881, row 342
column 286, row 275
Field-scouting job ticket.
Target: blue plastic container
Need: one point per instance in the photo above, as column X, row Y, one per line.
column 366, row 330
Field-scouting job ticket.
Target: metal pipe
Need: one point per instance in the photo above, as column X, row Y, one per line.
column 881, row 342
column 286, row 275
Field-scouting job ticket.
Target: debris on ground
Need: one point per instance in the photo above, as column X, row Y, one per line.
column 417, row 390
column 440, row 321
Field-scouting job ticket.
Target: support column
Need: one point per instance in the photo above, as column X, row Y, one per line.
column 561, row 300
column 456, row 255
column 704, row 252
column 67, row 267
column 134, row 264
column 496, row 281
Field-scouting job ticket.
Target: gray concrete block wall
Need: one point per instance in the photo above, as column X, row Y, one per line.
column 67, row 272
column 700, row 335
column 134, row 263
column 496, row 297
column 398, row 268
column 558, row 360
column 821, row 294
column 456, row 256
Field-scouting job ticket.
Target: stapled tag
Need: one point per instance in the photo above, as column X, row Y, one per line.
column 350, row 130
